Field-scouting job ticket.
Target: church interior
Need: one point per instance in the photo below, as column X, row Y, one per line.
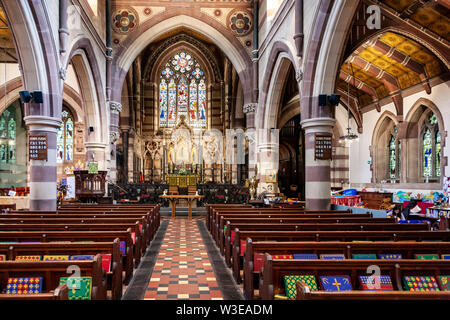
column 224, row 150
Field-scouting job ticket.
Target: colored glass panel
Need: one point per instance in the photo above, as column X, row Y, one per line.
column 163, row 103
column 60, row 144
column 392, row 158
column 438, row 154
column 427, row 153
column 193, row 103
column 69, row 140
column 172, row 103
column 202, row 103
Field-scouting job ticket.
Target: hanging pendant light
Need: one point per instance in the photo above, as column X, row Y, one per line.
column 350, row 136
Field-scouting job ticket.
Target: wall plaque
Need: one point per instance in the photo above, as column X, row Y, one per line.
column 323, row 146
column 37, row 147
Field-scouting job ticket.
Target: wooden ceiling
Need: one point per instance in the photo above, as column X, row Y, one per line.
column 377, row 66
column 7, row 49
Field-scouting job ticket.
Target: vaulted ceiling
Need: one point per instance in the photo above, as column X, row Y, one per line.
column 380, row 66
column 7, row 49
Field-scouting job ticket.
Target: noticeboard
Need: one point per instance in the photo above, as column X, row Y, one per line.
column 37, row 144
column 323, row 146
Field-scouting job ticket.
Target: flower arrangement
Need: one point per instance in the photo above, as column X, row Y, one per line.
column 76, row 167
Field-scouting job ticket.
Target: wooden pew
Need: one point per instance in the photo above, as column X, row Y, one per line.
column 76, row 236
column 79, row 224
column 137, row 247
column 60, row 293
column 407, row 250
column 304, row 293
column 238, row 247
column 147, row 228
column 12, row 250
column 152, row 218
column 210, row 207
column 223, row 217
column 51, row 272
column 317, row 227
column 239, row 212
column 289, row 220
column 274, row 270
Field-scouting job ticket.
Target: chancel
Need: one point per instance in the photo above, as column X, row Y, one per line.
column 224, row 150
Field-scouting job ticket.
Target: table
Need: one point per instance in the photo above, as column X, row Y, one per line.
column 174, row 198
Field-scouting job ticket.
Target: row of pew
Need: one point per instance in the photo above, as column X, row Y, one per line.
column 101, row 243
column 290, row 253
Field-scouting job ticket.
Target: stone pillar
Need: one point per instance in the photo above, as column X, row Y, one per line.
column 43, row 173
column 125, row 135
column 115, row 109
column 250, row 111
column 317, row 172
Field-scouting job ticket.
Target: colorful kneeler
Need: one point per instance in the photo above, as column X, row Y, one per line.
column 332, row 257
column 2, row 257
column 376, row 283
column 426, row 256
column 24, row 286
column 420, row 283
column 360, row 256
column 336, row 283
column 445, row 282
column 28, row 258
column 80, row 288
column 56, row 258
column 290, row 282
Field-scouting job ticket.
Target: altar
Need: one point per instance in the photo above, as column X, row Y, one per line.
column 183, row 180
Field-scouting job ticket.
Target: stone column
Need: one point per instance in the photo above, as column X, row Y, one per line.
column 125, row 135
column 317, row 172
column 43, row 173
column 249, row 110
column 115, row 109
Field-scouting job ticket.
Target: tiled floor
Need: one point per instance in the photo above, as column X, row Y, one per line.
column 183, row 269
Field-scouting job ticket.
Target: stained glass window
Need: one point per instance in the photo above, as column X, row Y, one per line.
column 427, row 149
column 8, row 129
column 392, row 158
column 438, row 154
column 431, row 147
column 65, row 138
column 182, row 92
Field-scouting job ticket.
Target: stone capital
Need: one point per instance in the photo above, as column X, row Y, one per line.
column 115, row 106
column 43, row 123
column 249, row 107
column 317, row 125
column 299, row 75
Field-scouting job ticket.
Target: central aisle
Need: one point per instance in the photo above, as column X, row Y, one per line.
column 183, row 269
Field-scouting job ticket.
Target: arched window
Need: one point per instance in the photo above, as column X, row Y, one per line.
column 394, row 154
column 431, row 147
column 65, row 137
column 182, row 92
column 8, row 128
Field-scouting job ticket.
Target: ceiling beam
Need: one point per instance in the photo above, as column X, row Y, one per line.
column 358, row 84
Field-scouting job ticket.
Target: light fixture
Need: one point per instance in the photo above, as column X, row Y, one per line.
column 350, row 136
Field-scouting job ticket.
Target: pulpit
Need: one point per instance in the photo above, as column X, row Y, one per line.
column 89, row 187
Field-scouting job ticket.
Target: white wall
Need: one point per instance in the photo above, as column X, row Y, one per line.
column 359, row 151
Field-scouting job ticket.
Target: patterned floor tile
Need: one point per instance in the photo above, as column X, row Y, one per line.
column 183, row 270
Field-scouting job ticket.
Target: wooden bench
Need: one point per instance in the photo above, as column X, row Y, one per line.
column 303, row 223
column 238, row 212
column 238, row 248
column 348, row 249
column 12, row 250
column 148, row 225
column 64, row 237
column 210, row 207
column 137, row 242
column 222, row 217
column 275, row 269
column 51, row 272
column 60, row 293
column 317, row 227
